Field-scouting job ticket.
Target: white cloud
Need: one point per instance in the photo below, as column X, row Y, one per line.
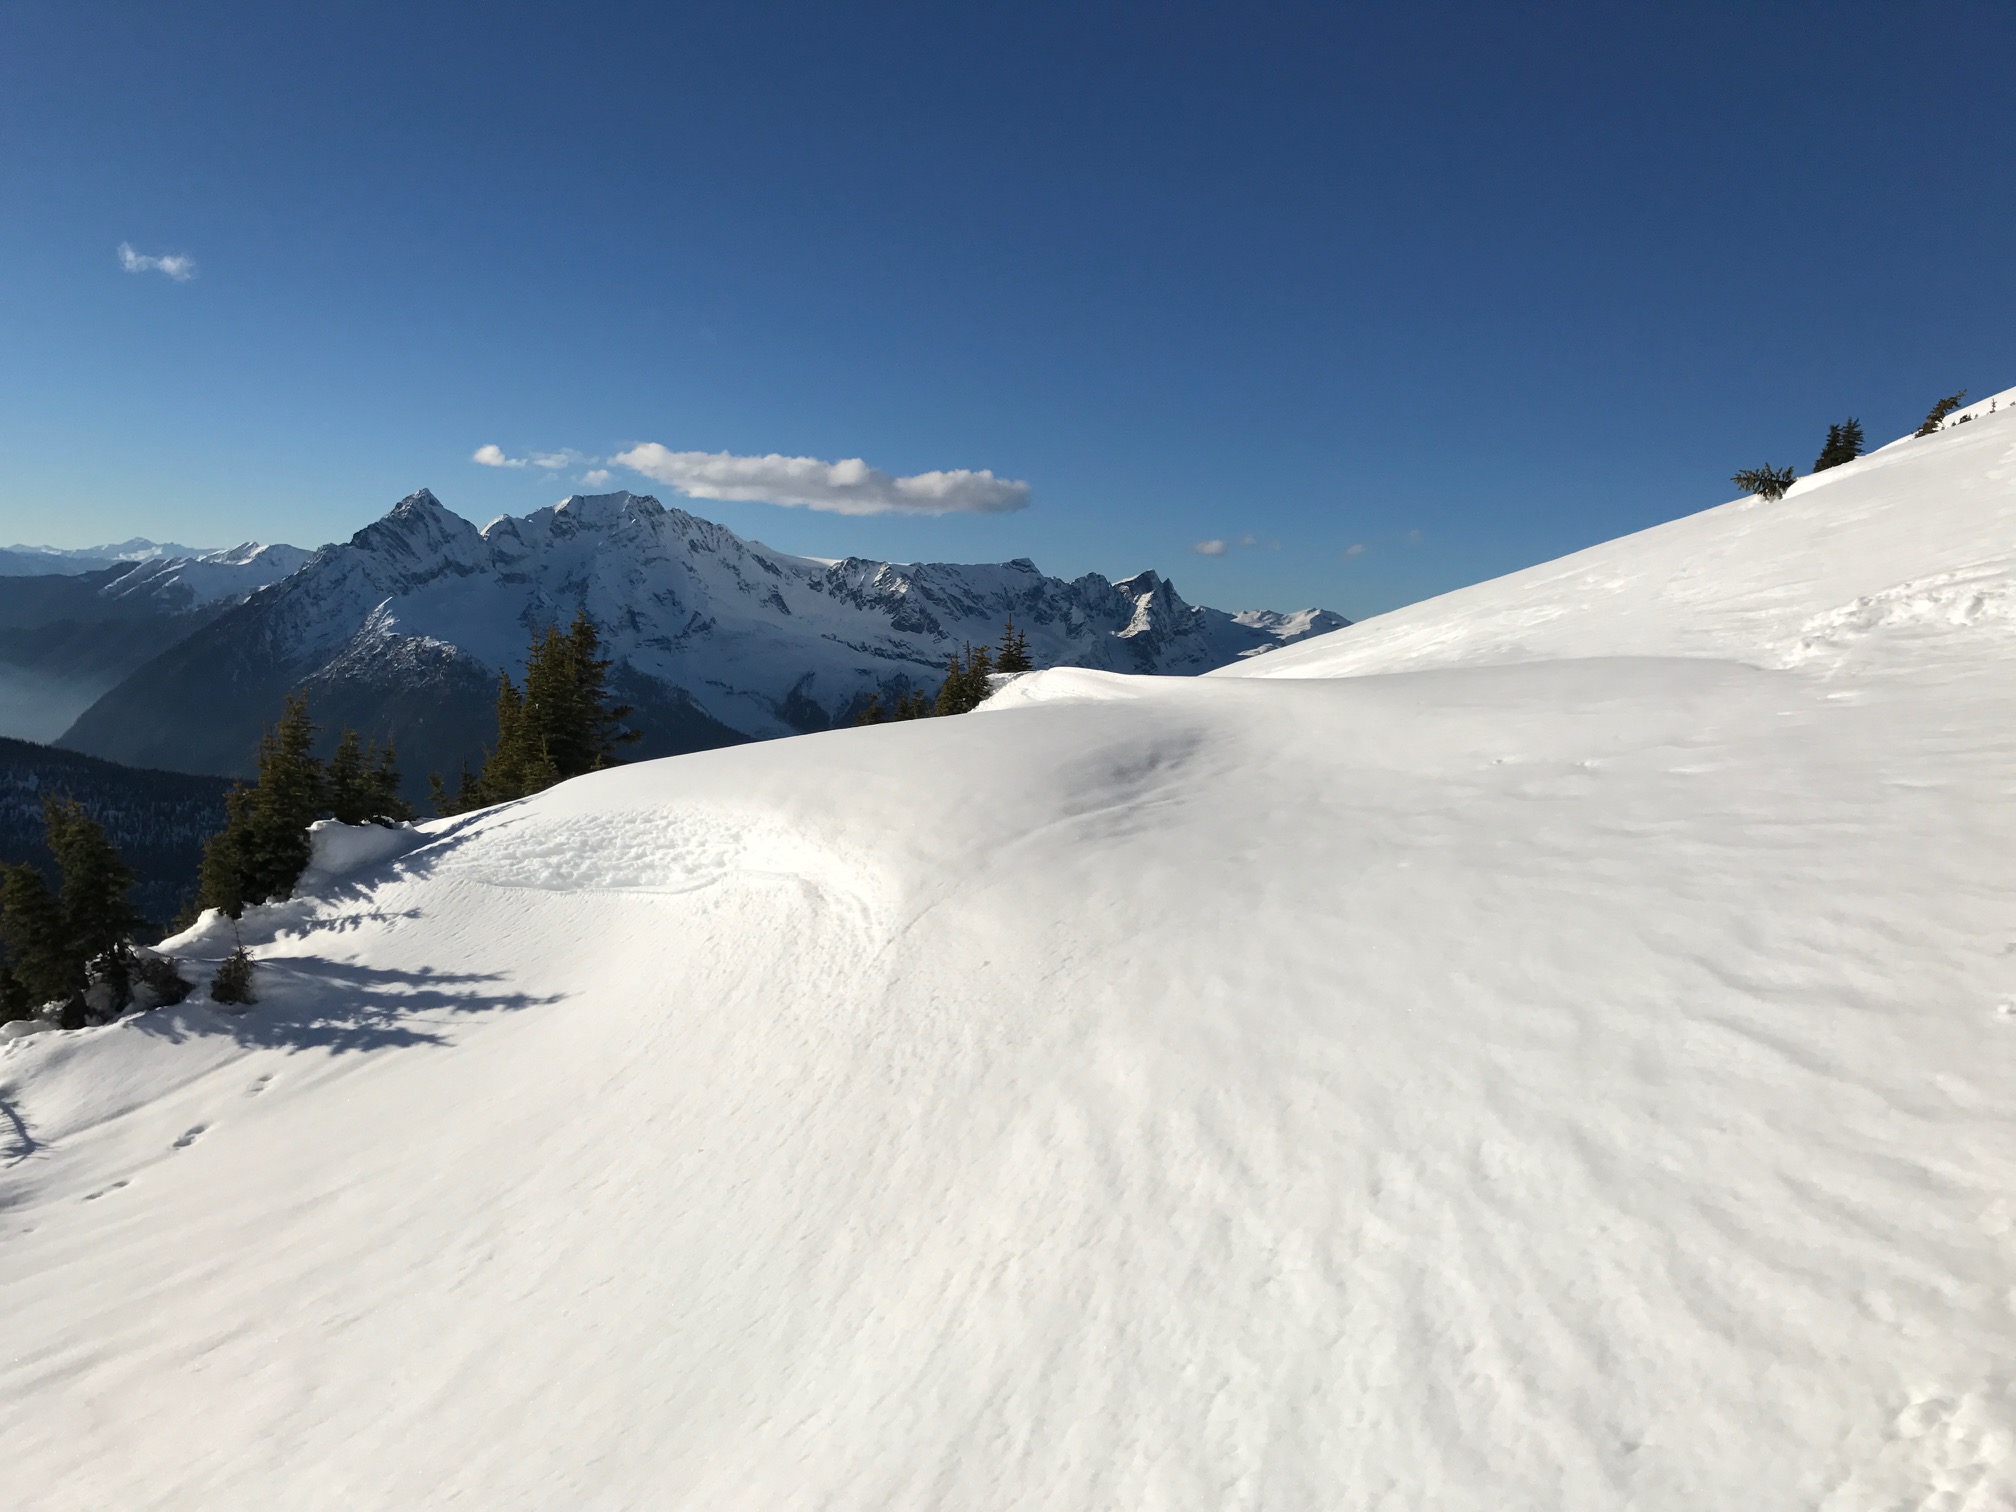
column 1356, row 549
column 1413, row 538
column 849, row 487
column 553, row 461
column 1217, row 547
column 177, row 265
column 598, row 477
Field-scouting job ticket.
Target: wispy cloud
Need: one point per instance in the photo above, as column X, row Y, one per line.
column 598, row 477
column 177, row 265
column 1218, row 547
column 1355, row 549
column 849, row 487
column 491, row 455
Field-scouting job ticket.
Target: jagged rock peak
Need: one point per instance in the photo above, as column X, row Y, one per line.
column 418, row 526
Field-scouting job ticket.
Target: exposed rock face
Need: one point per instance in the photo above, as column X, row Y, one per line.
column 402, row 630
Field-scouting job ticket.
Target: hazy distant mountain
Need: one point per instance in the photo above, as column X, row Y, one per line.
column 401, row 631
column 66, row 635
column 37, row 561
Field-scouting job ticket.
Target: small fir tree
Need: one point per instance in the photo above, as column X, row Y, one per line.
column 965, row 684
column 872, row 713
column 1844, row 444
column 1013, row 655
column 1766, row 482
column 233, row 982
column 1940, row 411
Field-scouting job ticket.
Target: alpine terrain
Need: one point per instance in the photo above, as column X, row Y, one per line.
column 1551, row 1048
column 73, row 624
column 402, row 631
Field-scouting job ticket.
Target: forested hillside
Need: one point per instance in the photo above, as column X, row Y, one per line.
column 159, row 820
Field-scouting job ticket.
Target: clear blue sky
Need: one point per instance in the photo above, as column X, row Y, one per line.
column 1467, row 285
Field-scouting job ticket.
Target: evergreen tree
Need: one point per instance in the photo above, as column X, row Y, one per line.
column 872, row 713
column 363, row 783
column 98, row 921
column 965, row 684
column 14, row 999
column 60, row 944
column 39, row 960
column 561, row 724
column 1939, row 413
column 913, row 705
column 1766, row 482
column 233, row 982
column 1014, row 653
column 1844, row 444
column 263, row 848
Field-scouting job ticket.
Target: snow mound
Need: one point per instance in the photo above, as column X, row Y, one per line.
column 1568, row 1070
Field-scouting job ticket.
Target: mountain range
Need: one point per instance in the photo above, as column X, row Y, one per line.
column 72, row 625
column 402, row 631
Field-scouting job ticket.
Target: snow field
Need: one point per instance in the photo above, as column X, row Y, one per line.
column 1564, row 1064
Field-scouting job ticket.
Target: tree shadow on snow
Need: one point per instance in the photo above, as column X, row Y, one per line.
column 309, row 1003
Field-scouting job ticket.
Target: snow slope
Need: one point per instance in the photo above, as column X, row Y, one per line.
column 1573, row 1068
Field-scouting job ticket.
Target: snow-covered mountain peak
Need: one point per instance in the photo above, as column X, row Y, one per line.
column 717, row 638
column 419, row 535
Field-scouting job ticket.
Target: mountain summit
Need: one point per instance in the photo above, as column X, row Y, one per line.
column 403, row 629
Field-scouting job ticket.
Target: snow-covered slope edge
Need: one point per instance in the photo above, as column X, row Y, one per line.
column 1920, row 520
column 1568, row 1082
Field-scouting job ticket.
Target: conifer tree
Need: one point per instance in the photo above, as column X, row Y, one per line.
column 98, row 921
column 39, row 960
column 1940, row 411
column 561, row 724
column 263, row 848
column 14, row 1000
column 1844, row 444
column 1013, row 655
column 913, row 705
column 1766, row 482
column 965, row 685
column 59, row 944
column 363, row 783
column 872, row 713
column 233, row 982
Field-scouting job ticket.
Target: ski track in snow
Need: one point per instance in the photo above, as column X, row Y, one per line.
column 1547, row 1048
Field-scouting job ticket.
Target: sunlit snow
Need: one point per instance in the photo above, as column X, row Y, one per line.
column 1553, row 1047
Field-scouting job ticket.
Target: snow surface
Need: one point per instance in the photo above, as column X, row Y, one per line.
column 1552, row 1048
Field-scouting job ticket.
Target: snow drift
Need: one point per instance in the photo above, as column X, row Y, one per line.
column 1549, row 1048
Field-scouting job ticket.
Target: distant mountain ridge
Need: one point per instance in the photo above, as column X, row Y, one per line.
column 68, row 633
column 402, row 630
column 35, row 561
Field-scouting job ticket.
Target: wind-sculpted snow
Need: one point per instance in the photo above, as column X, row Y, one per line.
column 1544, row 1081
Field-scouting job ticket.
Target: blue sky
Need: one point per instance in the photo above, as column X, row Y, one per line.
column 1466, row 286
